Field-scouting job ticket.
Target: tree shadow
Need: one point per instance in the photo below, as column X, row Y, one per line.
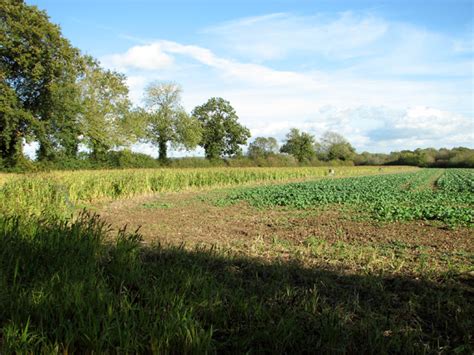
column 287, row 307
column 63, row 289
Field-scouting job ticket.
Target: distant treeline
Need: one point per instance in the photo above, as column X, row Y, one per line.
column 126, row 159
column 459, row 157
column 81, row 117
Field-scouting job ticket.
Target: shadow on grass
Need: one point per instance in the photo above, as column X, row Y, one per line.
column 62, row 287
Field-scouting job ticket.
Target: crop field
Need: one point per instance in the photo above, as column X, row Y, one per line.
column 59, row 193
column 288, row 260
column 388, row 198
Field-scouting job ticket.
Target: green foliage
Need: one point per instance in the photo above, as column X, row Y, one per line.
column 165, row 120
column 38, row 73
column 105, row 108
column 457, row 180
column 14, row 125
column 388, row 198
column 459, row 157
column 262, row 147
column 51, row 94
column 300, row 145
column 128, row 159
column 222, row 134
column 334, row 146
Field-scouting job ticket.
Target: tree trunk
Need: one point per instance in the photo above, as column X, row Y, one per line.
column 162, row 151
column 11, row 150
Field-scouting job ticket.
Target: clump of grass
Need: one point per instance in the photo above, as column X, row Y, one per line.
column 157, row 204
column 64, row 287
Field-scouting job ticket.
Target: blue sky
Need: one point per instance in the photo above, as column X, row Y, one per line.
column 388, row 75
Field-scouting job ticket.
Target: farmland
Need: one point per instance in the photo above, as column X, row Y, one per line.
column 371, row 260
column 388, row 198
column 59, row 193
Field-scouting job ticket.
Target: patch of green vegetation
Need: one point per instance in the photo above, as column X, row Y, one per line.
column 400, row 197
column 157, row 205
column 60, row 193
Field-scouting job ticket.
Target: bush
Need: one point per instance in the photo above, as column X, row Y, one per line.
column 129, row 159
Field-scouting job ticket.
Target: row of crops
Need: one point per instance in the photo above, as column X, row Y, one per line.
column 458, row 180
column 62, row 192
column 431, row 194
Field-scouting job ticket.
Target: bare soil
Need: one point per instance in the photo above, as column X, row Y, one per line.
column 178, row 218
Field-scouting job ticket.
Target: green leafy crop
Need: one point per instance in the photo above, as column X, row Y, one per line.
column 408, row 196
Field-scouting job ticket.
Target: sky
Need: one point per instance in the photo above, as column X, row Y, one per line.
column 387, row 75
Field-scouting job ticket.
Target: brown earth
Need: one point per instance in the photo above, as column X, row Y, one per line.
column 190, row 218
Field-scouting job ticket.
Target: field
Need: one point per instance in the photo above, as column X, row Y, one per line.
column 371, row 260
column 60, row 193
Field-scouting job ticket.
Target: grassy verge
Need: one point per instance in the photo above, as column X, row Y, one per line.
column 64, row 288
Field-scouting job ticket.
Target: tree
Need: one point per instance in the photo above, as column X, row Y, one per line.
column 14, row 127
column 262, row 147
column 335, row 146
column 166, row 121
column 222, row 134
column 300, row 145
column 38, row 72
column 104, row 121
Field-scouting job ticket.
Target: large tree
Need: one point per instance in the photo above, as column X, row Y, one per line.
column 166, row 121
column 222, row 134
column 38, row 70
column 105, row 118
column 300, row 145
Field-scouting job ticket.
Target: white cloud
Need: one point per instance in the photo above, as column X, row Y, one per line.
column 425, row 126
column 381, row 129
column 391, row 86
column 357, row 42
column 148, row 57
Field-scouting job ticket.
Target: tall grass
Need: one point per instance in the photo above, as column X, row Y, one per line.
column 59, row 192
column 63, row 289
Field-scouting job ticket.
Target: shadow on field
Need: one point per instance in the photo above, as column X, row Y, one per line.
column 63, row 288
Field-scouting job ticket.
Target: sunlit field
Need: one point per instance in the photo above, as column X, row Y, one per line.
column 235, row 260
column 60, row 192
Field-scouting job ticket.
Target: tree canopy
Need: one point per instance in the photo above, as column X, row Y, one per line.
column 262, row 147
column 105, row 109
column 38, row 71
column 222, row 134
column 300, row 145
column 166, row 121
column 336, row 147
column 66, row 102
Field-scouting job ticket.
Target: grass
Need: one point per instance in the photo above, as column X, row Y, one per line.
column 63, row 288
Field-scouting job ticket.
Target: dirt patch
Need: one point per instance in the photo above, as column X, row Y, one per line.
column 186, row 218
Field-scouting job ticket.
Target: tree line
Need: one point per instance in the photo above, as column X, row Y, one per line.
column 52, row 94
